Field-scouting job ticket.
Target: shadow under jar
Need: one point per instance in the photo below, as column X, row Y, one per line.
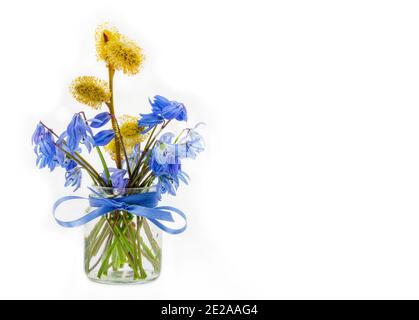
column 122, row 248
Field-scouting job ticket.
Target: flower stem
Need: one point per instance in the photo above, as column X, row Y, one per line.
column 124, row 150
column 140, row 259
column 153, row 242
column 180, row 134
column 118, row 161
column 146, row 179
column 105, row 166
column 126, row 247
column 150, row 144
column 87, row 164
column 93, row 174
column 137, row 166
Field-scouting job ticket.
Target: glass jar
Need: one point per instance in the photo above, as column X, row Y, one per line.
column 121, row 247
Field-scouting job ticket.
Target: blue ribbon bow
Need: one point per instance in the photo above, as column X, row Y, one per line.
column 141, row 204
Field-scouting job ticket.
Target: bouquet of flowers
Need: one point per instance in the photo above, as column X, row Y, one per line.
column 123, row 221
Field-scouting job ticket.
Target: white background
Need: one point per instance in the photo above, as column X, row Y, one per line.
column 309, row 186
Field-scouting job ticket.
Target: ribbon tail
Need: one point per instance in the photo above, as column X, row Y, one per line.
column 167, row 229
column 150, row 213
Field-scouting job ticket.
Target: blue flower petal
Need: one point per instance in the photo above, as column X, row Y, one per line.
column 100, row 120
column 175, row 110
column 73, row 178
column 162, row 108
column 78, row 131
column 102, row 138
column 117, row 178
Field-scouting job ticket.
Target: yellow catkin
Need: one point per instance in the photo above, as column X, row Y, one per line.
column 90, row 91
column 105, row 33
column 117, row 50
column 130, row 132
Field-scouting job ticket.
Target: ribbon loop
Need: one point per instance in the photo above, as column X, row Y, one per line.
column 141, row 204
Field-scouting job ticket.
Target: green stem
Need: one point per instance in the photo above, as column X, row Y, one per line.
column 137, row 256
column 149, row 145
column 100, row 239
column 109, row 248
column 121, row 257
column 85, row 166
column 107, row 251
column 155, row 261
column 96, row 263
column 105, row 166
column 149, row 255
column 91, row 240
column 148, row 181
column 151, row 240
column 114, row 257
column 138, row 237
column 125, row 246
column 88, row 165
column 95, row 229
column 138, row 164
column 180, row 134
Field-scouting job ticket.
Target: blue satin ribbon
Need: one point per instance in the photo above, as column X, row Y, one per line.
column 141, row 204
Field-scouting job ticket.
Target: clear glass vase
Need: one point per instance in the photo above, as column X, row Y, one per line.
column 121, row 248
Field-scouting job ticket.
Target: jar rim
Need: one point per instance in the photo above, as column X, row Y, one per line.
column 102, row 188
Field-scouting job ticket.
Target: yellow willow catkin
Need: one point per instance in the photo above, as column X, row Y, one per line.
column 90, row 91
column 117, row 50
column 105, row 33
column 130, row 132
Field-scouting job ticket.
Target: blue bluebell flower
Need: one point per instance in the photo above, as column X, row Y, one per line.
column 166, row 184
column 148, row 121
column 168, row 109
column 117, row 178
column 192, row 144
column 169, row 181
column 103, row 137
column 167, row 137
column 169, row 174
column 40, row 130
column 175, row 110
column 162, row 109
column 187, row 148
column 100, row 120
column 49, row 152
column 73, row 177
column 78, row 132
column 165, row 160
column 65, row 160
column 68, row 164
column 164, row 151
column 45, row 149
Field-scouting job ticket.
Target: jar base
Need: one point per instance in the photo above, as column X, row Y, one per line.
column 122, row 278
